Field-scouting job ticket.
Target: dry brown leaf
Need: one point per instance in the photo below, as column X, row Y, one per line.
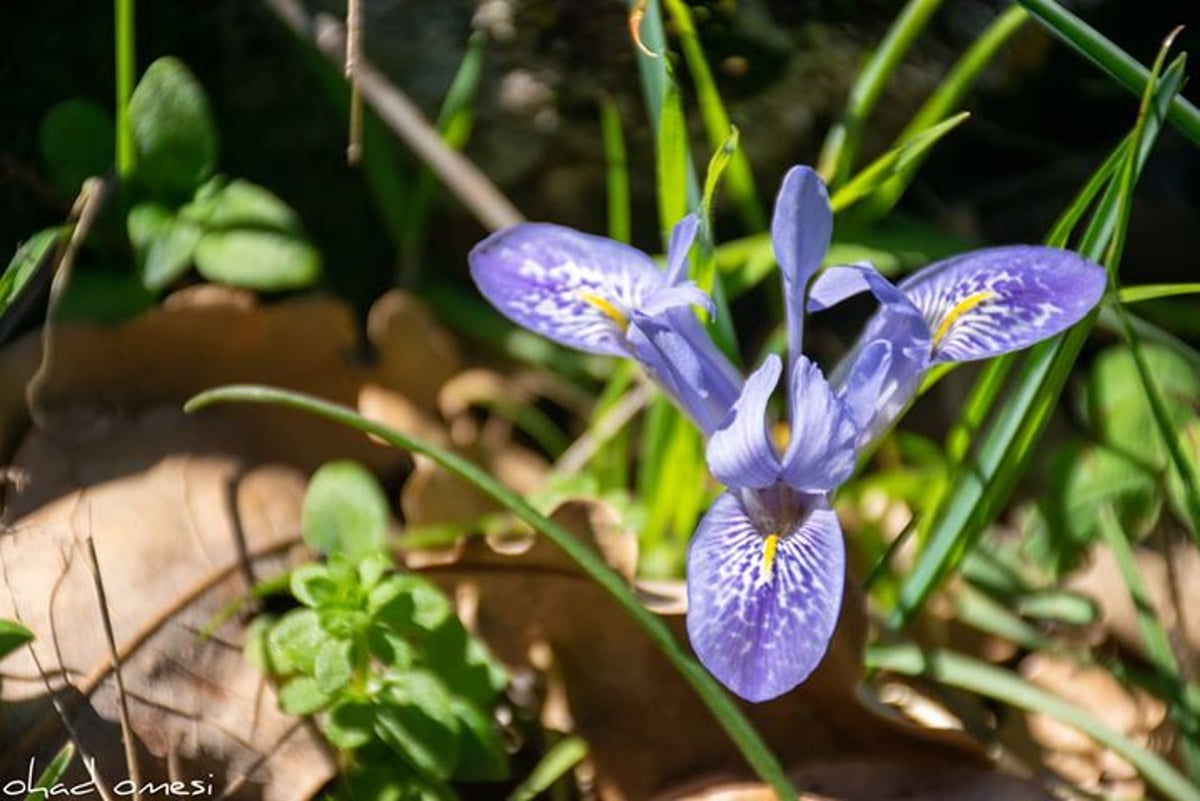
column 647, row 730
column 1084, row 762
column 1174, row 590
column 185, row 512
column 881, row 779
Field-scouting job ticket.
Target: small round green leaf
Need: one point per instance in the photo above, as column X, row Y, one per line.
column 294, row 641
column 266, row 261
column 302, row 696
column 12, row 636
column 173, row 128
column 240, row 204
column 350, row 724
column 334, row 665
column 165, row 243
column 416, row 719
column 1117, row 406
column 345, row 511
column 75, row 141
column 482, row 756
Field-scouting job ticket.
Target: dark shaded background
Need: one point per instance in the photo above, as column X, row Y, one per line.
column 1042, row 117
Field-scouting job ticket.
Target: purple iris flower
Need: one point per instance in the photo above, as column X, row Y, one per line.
column 766, row 567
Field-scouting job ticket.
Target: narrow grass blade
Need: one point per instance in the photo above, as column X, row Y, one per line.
column 1166, row 429
column 455, row 121
column 841, row 144
column 965, row 673
column 980, row 611
column 1114, row 61
column 985, row 482
column 1155, row 639
column 740, row 182
column 564, row 756
column 899, row 162
column 945, row 99
column 616, row 171
column 1147, row 331
column 12, row 636
column 714, row 697
column 1069, row 220
column 44, row 786
column 126, row 69
column 1138, row 294
column 673, row 162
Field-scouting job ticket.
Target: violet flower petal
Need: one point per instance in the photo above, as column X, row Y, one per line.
column 740, row 453
column 879, row 376
column 820, row 452
column 801, row 230
column 994, row 301
column 763, row 603
column 679, row 355
column 574, row 288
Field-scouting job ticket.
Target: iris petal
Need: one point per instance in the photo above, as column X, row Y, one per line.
column 679, row 355
column 880, row 375
column 574, row 288
column 761, row 627
column 820, row 453
column 740, row 453
column 993, row 301
column 682, row 236
column 801, row 230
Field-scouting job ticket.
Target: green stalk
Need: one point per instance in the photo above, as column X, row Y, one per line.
column 965, row 673
column 740, row 179
column 1122, row 67
column 126, row 57
column 1155, row 639
column 842, row 142
column 946, row 98
column 714, row 697
column 985, row 481
column 616, row 171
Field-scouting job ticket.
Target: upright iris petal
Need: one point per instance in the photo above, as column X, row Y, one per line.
column 801, row 230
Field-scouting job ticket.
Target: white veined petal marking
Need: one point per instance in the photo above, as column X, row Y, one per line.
column 607, row 308
column 964, row 306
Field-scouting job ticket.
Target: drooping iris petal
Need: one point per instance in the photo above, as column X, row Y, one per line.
column 993, row 301
column 574, row 288
column 763, row 603
column 684, row 294
column 680, row 356
column 879, row 376
column 820, row 453
column 740, row 453
column 682, row 236
column 801, row 230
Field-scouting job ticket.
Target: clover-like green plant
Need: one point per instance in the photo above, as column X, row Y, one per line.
column 395, row 681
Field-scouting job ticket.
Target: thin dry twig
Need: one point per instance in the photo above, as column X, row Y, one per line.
column 83, row 214
column 89, row 762
column 455, row 171
column 583, row 449
column 353, row 56
column 131, row 760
